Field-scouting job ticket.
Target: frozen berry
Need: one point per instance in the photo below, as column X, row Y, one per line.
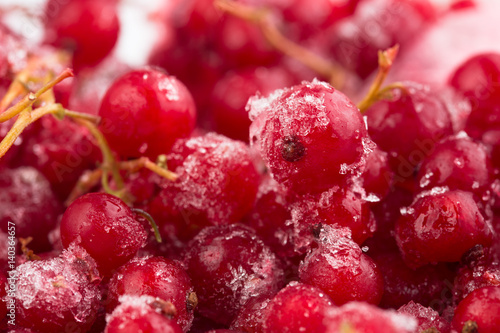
column 140, row 314
column 228, row 265
column 377, row 176
column 345, row 207
column 271, row 218
column 217, row 184
column 339, row 267
column 311, row 136
column 59, row 294
column 61, row 150
column 377, row 25
column 156, row 277
column 106, row 227
column 27, row 201
column 428, row 319
column 251, row 316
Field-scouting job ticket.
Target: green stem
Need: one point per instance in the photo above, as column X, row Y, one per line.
column 151, row 222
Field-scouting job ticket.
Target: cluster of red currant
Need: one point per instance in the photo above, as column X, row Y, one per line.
column 233, row 186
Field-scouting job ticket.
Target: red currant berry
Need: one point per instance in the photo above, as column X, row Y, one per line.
column 340, row 268
column 366, row 318
column 140, row 314
column 57, row 294
column 344, row 207
column 440, row 227
column 458, row 163
column 27, row 201
column 144, row 112
column 478, row 80
column 310, row 136
column 61, row 151
column 482, row 307
column 89, row 28
column 271, row 219
column 106, row 227
column 251, row 316
column 377, row 176
column 156, row 277
column 418, row 119
column 297, row 308
column 480, row 268
column 231, row 94
column 217, row 184
column 228, row 265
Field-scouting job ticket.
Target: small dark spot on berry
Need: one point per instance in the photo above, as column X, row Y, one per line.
column 292, row 150
column 316, row 230
column 475, row 254
column 470, row 327
column 167, row 309
column 192, row 301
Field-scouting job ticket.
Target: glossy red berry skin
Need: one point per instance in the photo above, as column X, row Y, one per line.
column 297, row 308
column 27, row 200
column 140, row 314
column 56, row 294
column 477, row 79
column 229, row 265
column 339, row 267
column 481, row 306
column 144, row 112
column 458, row 163
column 311, row 136
column 440, row 227
column 366, row 318
column 89, row 28
column 217, row 185
column 417, row 117
column 106, row 227
column 156, row 277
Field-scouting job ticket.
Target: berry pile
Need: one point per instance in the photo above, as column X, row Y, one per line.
column 262, row 172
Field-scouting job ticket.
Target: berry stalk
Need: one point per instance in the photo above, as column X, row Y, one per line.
column 385, row 61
